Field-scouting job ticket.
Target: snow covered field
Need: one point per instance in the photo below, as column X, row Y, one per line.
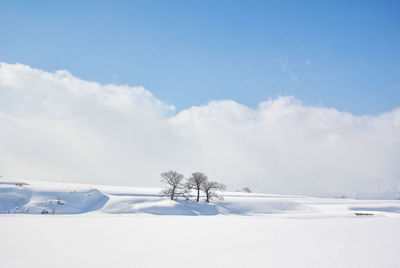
column 108, row 226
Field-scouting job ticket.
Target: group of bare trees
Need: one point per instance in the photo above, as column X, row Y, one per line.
column 181, row 186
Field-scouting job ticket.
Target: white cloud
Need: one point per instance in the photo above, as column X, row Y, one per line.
column 56, row 126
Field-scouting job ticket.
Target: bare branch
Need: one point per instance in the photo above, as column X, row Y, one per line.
column 195, row 182
column 211, row 188
column 175, row 181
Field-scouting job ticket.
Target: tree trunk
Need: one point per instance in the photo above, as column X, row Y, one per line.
column 208, row 197
column 173, row 193
column 198, row 194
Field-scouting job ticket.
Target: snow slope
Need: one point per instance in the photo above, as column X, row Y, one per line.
column 22, row 197
column 35, row 197
column 109, row 226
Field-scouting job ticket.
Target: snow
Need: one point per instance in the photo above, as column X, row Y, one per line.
column 111, row 226
column 16, row 197
column 32, row 197
column 213, row 241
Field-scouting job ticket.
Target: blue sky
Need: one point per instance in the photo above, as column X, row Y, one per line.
column 340, row 54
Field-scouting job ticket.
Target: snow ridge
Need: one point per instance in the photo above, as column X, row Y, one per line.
column 39, row 197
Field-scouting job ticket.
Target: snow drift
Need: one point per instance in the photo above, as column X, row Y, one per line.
column 35, row 197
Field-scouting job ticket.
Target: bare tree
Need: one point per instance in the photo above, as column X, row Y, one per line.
column 195, row 182
column 174, row 180
column 210, row 188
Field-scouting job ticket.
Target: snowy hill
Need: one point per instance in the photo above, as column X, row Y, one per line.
column 37, row 197
column 110, row 226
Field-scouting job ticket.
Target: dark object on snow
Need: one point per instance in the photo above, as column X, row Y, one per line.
column 246, row 190
column 363, row 214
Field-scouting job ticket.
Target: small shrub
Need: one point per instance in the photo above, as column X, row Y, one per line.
column 246, row 190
